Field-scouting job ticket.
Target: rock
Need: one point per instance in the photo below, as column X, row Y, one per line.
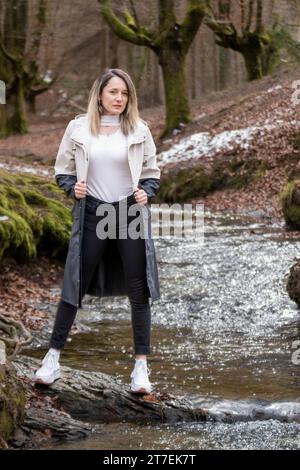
column 96, row 398
column 293, row 282
column 290, row 203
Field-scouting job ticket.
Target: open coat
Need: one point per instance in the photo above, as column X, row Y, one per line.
column 71, row 165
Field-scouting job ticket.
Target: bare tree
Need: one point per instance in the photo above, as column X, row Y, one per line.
column 251, row 31
column 18, row 63
column 170, row 40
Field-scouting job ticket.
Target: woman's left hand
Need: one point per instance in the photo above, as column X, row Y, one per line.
column 140, row 196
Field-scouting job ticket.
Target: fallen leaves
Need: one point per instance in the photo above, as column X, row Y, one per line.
column 22, row 287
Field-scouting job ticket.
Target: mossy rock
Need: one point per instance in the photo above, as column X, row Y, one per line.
column 293, row 283
column 12, row 402
column 290, row 203
column 185, row 185
column 295, row 140
column 35, row 217
column 198, row 181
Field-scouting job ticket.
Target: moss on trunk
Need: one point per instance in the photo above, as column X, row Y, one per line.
column 253, row 64
column 177, row 106
column 12, row 403
column 16, row 118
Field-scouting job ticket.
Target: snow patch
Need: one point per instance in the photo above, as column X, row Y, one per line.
column 203, row 143
column 24, row 169
column 277, row 87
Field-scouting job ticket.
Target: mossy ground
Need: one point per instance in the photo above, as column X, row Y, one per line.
column 199, row 181
column 35, row 217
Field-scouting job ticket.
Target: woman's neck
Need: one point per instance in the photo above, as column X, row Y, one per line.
column 110, row 120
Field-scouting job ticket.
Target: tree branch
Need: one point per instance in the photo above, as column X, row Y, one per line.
column 11, row 58
column 259, row 12
column 167, row 16
column 250, row 15
column 196, row 11
column 227, row 35
column 225, row 9
column 242, row 8
column 140, row 37
column 41, row 19
column 135, row 15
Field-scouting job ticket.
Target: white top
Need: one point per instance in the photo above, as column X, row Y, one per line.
column 109, row 176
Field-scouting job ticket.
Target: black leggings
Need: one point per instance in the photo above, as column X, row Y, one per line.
column 132, row 252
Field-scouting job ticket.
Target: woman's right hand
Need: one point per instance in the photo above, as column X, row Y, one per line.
column 80, row 189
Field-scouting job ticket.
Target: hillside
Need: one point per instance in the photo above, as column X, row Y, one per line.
column 247, row 140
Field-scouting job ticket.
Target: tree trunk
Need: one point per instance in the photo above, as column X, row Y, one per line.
column 98, row 397
column 31, row 103
column 253, row 62
column 270, row 58
column 175, row 90
column 17, row 122
column 3, row 120
column 13, row 114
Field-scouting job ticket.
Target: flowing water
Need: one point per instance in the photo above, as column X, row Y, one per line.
column 223, row 334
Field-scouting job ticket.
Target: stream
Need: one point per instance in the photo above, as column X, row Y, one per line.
column 222, row 336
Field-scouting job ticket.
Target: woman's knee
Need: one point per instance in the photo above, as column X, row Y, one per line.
column 139, row 300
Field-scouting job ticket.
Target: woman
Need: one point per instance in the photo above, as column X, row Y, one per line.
column 107, row 162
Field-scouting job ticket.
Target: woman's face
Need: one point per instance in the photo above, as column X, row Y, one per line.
column 114, row 96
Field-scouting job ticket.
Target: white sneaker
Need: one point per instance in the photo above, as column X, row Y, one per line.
column 50, row 370
column 139, row 378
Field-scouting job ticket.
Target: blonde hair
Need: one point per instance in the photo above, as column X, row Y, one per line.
column 129, row 117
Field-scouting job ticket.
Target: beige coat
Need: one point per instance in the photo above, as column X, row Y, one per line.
column 72, row 163
column 73, row 152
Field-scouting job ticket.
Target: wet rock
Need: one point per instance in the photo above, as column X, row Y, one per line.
column 293, row 282
column 232, row 411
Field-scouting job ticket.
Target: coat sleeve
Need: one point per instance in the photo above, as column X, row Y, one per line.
column 150, row 175
column 65, row 169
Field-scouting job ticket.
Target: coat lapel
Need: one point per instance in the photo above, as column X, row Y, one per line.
column 81, row 133
column 137, row 136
